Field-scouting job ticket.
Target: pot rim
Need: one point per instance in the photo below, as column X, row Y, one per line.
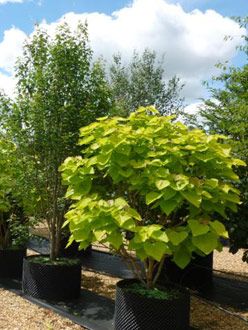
column 182, row 290
column 28, row 259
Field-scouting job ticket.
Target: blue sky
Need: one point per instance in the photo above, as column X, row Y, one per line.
column 224, row 7
column 191, row 41
column 25, row 15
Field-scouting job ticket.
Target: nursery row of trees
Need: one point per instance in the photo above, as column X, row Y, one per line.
column 61, row 89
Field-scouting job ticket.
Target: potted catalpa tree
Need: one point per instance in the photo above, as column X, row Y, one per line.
column 14, row 224
column 148, row 187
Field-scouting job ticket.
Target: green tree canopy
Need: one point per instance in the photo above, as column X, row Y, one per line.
column 226, row 113
column 13, row 200
column 59, row 90
column 141, row 82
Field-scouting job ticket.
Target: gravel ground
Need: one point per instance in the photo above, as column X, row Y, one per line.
column 17, row 313
column 229, row 262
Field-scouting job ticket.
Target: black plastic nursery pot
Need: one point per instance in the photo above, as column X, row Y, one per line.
column 137, row 312
column 11, row 261
column 51, row 282
column 198, row 274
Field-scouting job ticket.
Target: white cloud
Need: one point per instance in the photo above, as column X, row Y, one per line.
column 193, row 42
column 3, row 2
column 193, row 108
column 7, row 84
column 11, row 48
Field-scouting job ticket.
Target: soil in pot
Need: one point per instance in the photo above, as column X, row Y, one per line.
column 11, row 261
column 136, row 309
column 58, row 280
column 197, row 275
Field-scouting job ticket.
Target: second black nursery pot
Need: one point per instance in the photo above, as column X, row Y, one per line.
column 51, row 281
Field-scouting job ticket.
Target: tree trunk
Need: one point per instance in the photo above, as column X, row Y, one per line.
column 58, row 236
column 52, row 242
column 149, row 274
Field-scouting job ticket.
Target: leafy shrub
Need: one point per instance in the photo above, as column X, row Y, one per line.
column 13, row 222
column 154, row 179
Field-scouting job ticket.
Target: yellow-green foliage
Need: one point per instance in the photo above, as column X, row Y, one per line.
column 153, row 178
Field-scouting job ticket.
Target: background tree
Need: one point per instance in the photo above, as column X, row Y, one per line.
column 59, row 90
column 226, row 113
column 141, row 82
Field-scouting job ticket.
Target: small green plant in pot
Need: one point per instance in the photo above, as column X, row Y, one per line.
column 149, row 187
column 14, row 225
